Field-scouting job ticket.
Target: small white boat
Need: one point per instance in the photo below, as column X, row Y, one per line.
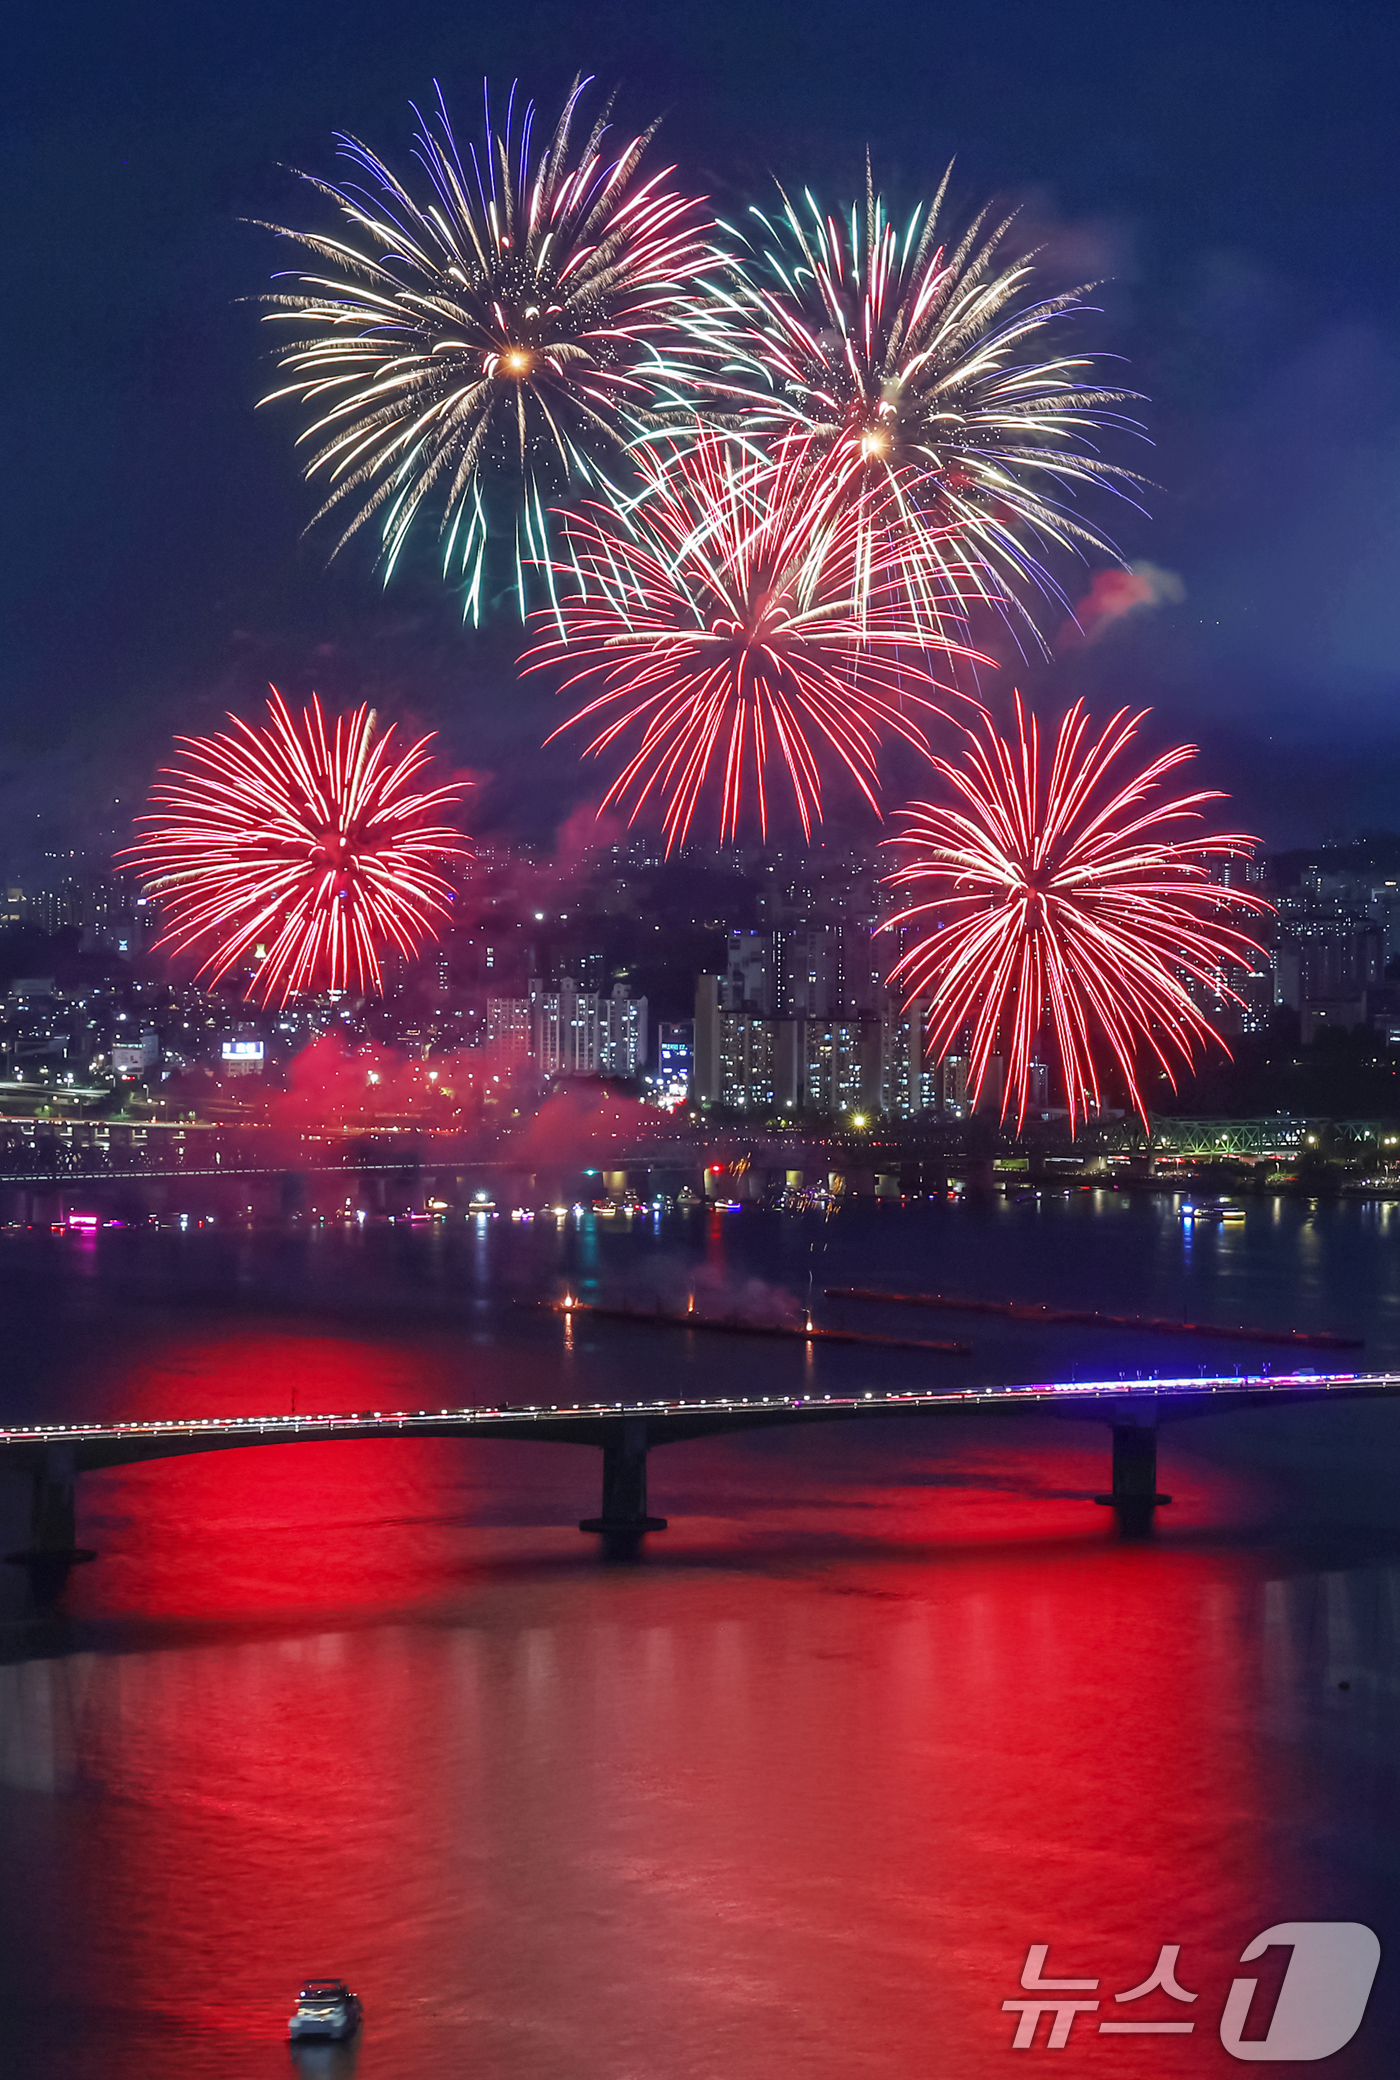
column 326, row 2009
column 1217, row 1210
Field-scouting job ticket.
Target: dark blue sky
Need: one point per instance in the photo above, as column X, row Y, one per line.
column 1231, row 167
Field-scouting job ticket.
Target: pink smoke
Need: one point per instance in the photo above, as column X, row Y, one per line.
column 330, row 1090
column 1115, row 593
column 575, row 1124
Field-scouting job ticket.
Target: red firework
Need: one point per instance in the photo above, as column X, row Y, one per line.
column 1069, row 904
column 722, row 619
column 316, row 846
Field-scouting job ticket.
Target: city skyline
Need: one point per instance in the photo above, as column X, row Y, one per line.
column 740, row 985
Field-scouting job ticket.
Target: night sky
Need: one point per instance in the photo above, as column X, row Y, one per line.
column 1229, row 168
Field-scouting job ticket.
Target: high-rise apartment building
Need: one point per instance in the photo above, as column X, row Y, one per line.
column 807, row 970
column 508, row 1026
column 747, row 1064
column 751, row 975
column 622, row 1033
column 576, row 1032
column 1325, row 960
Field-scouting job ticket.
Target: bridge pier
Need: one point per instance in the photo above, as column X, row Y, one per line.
column 1134, row 1496
column 53, row 1523
column 624, row 1517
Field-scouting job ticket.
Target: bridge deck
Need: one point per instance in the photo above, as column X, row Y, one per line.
column 1130, row 1403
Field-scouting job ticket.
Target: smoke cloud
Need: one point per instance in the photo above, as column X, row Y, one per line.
column 578, row 1122
column 1115, row 594
column 332, row 1089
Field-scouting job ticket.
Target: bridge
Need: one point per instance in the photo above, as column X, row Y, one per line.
column 53, row 1456
column 1280, row 1138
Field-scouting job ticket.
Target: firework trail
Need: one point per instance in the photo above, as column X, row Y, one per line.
column 1068, row 902
column 506, row 321
column 716, row 617
column 931, row 376
column 317, row 846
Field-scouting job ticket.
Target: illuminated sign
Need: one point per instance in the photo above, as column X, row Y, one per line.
column 134, row 1057
column 243, row 1050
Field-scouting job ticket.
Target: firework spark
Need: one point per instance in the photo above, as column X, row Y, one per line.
column 315, row 846
column 717, row 618
column 1071, row 906
column 504, row 322
column 929, row 374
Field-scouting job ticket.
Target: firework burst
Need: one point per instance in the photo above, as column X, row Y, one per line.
column 313, row 844
column 716, row 617
column 505, row 321
column 1070, row 905
column 929, row 374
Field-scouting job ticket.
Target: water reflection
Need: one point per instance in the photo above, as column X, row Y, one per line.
column 811, row 1808
column 793, row 1796
column 327, row 2061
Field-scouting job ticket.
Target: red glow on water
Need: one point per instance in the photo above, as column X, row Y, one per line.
column 245, row 1531
column 828, row 1764
column 883, row 1708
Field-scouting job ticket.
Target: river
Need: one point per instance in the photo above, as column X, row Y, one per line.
column 792, row 1795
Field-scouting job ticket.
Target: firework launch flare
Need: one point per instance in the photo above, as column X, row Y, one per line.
column 304, row 849
column 1067, row 909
